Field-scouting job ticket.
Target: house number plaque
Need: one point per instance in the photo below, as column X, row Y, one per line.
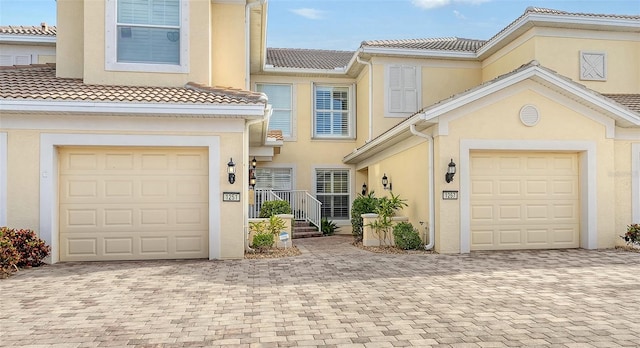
column 449, row 195
column 231, row 196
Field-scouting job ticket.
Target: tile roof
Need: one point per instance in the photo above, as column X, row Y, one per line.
column 275, row 134
column 446, row 43
column 541, row 10
column 41, row 30
column 39, row 82
column 308, row 59
column 631, row 101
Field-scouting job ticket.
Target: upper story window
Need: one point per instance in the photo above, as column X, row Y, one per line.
column 333, row 114
column 402, row 88
column 280, row 98
column 147, row 35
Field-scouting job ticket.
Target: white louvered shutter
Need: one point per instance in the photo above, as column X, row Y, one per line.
column 403, row 89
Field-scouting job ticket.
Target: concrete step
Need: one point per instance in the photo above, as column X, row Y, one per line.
column 306, row 234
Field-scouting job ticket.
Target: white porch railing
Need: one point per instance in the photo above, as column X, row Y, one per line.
column 304, row 206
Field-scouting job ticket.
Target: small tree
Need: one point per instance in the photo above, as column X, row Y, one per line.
column 387, row 207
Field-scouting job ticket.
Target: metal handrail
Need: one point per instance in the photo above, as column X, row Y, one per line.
column 304, row 206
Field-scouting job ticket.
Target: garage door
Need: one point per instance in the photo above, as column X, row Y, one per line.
column 524, row 201
column 133, row 203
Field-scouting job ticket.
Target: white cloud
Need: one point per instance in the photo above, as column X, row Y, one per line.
column 429, row 4
column 310, row 13
column 459, row 15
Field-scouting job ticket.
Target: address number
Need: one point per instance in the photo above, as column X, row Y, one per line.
column 231, row 196
column 450, row 195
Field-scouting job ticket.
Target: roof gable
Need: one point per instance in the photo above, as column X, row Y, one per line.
column 624, row 115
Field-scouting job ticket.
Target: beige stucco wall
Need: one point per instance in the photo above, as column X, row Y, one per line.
column 23, row 172
column 228, row 51
column 70, row 38
column 623, row 176
column 305, row 154
column 559, row 50
column 199, row 50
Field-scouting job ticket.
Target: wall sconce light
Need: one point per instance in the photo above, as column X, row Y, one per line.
column 252, row 180
column 385, row 183
column 254, row 162
column 364, row 189
column 451, row 171
column 231, row 169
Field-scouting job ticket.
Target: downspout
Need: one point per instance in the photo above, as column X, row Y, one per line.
column 245, row 208
column 432, row 208
column 247, row 40
column 368, row 63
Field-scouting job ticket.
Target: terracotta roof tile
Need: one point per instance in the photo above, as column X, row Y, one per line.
column 631, row 101
column 39, row 82
column 275, row 134
column 446, row 44
column 308, row 59
column 41, row 30
column 541, row 10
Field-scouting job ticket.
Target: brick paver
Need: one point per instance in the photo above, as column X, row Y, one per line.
column 334, row 295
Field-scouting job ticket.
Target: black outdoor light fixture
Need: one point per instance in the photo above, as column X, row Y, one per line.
column 451, row 171
column 385, row 183
column 231, row 169
column 254, row 162
column 252, row 180
column 364, row 188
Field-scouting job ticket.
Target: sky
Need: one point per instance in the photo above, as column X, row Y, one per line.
column 344, row 24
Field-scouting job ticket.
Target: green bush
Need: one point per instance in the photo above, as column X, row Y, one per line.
column 328, row 227
column 633, row 234
column 20, row 248
column 362, row 205
column 271, row 208
column 406, row 236
column 263, row 240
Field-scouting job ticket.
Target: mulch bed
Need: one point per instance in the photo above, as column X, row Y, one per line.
column 392, row 250
column 273, row 253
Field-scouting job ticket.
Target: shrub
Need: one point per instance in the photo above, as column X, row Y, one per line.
column 263, row 240
column 271, row 208
column 361, row 205
column 328, row 227
column 633, row 234
column 20, row 248
column 9, row 256
column 406, row 236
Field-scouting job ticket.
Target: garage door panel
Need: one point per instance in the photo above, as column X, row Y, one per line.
column 535, row 205
column 127, row 204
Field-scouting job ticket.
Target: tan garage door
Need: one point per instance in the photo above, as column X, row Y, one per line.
column 524, row 200
column 133, row 203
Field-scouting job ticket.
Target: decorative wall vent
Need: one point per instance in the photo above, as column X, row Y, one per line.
column 593, row 66
column 529, row 115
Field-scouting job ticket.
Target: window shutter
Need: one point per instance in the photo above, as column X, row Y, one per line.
column 402, row 89
column 410, row 89
column 395, row 89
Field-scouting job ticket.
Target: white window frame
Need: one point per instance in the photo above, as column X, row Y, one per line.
column 387, row 91
column 292, row 119
column 351, row 112
column 635, row 182
column 111, row 44
column 282, row 166
column 350, row 186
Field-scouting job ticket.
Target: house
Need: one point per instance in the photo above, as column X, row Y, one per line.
column 530, row 139
column 20, row 45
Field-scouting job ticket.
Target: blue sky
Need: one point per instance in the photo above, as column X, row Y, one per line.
column 343, row 24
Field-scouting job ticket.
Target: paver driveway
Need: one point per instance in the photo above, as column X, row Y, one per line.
column 332, row 295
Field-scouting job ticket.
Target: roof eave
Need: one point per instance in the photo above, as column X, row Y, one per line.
column 280, row 70
column 27, row 39
column 388, row 51
column 205, row 110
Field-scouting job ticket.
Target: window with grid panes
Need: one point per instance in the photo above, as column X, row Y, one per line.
column 280, row 100
column 148, row 31
column 332, row 112
column 274, row 179
column 332, row 189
